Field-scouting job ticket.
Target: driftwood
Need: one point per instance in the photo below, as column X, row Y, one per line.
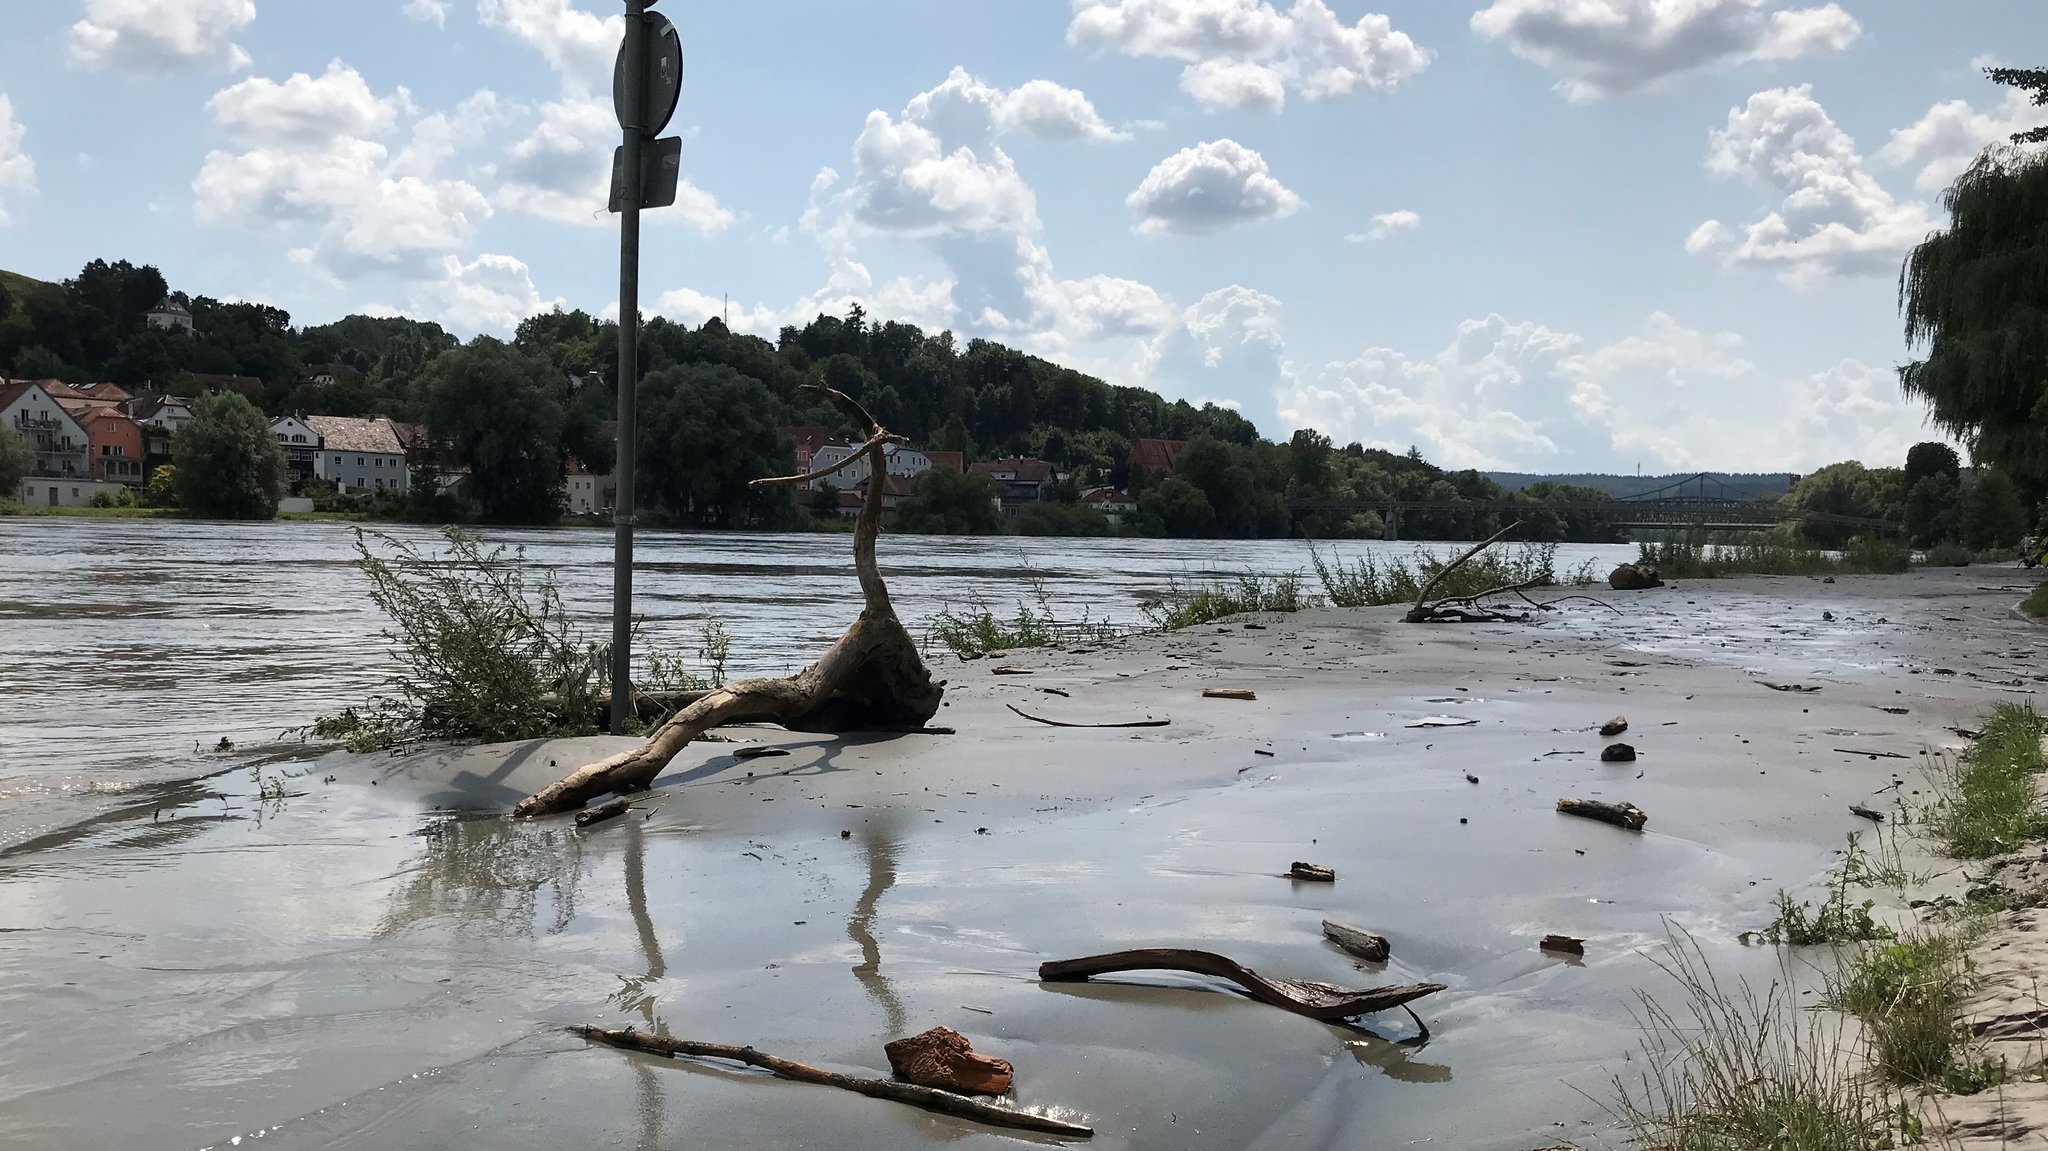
column 1058, row 723
column 944, row 1059
column 1364, row 944
column 1303, row 997
column 929, row 1098
column 1626, row 815
column 870, row 679
column 1563, row 944
column 1311, row 872
column 1442, row 611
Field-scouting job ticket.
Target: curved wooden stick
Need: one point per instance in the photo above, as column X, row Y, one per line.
column 929, row 1098
column 1322, row 1001
column 1057, row 723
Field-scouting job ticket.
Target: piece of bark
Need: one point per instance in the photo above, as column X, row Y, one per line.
column 1303, row 997
column 1364, row 944
column 602, row 812
column 1311, row 872
column 1614, row 727
column 1618, row 753
column 943, row 1058
column 1060, row 723
column 1228, row 693
column 1626, row 815
column 1870, row 814
column 929, row 1098
column 871, row 679
column 1563, row 944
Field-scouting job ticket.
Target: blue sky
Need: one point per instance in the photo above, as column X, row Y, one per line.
column 1546, row 235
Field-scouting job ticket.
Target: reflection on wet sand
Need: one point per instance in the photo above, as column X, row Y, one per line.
column 880, row 849
column 489, row 873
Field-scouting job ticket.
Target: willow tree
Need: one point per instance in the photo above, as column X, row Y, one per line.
column 1975, row 297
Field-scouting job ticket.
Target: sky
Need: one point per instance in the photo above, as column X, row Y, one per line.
column 1537, row 235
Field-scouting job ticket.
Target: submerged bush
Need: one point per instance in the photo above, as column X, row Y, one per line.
column 1368, row 582
column 1184, row 607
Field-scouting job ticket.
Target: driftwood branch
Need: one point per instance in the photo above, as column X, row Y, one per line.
column 929, row 1098
column 1425, row 611
column 1303, row 997
column 1058, row 723
column 870, row 679
column 1626, row 815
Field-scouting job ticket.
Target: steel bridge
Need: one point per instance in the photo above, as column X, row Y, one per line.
column 1697, row 501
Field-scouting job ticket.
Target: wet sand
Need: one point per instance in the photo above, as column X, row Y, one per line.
column 384, row 961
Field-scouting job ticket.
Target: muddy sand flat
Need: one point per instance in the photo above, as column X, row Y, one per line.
column 383, row 961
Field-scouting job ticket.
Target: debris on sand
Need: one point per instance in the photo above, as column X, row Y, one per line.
column 943, row 1058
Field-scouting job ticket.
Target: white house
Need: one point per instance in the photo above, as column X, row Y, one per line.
column 61, row 446
column 168, row 316
column 358, row 455
column 907, row 463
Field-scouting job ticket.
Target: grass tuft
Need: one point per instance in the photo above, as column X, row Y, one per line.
column 1985, row 800
column 1183, row 607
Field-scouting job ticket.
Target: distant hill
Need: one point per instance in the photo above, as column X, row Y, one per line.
column 1742, row 483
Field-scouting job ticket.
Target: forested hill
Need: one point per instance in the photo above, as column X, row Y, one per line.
column 1759, row 484
column 714, row 405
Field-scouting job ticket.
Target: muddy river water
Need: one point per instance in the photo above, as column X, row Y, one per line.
column 360, row 951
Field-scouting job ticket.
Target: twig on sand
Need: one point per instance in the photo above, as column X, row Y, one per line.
column 1059, row 723
column 929, row 1098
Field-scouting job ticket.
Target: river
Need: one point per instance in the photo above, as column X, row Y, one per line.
column 134, row 646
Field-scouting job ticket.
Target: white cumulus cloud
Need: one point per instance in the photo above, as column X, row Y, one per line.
column 490, row 294
column 318, row 154
column 1208, row 188
column 1609, row 47
column 161, row 35
column 1249, row 53
column 1834, row 218
column 433, row 12
column 17, row 168
column 305, row 109
column 1522, row 396
column 1387, row 224
column 1943, row 142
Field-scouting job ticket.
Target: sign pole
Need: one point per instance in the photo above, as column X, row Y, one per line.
column 631, row 115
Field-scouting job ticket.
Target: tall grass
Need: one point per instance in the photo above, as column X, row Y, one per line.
column 1694, row 557
column 1204, row 603
column 1370, row 582
column 1985, row 803
column 1734, row 1069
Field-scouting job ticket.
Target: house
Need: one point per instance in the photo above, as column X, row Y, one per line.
column 1024, row 481
column 359, row 455
column 589, row 494
column 1113, row 503
column 56, row 437
column 169, row 316
column 301, row 448
column 1156, row 457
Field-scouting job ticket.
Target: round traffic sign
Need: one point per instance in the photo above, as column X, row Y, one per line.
column 664, row 87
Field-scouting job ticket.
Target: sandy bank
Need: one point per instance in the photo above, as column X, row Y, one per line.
column 379, row 961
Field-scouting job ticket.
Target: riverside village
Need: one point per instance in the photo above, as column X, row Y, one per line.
column 1153, row 575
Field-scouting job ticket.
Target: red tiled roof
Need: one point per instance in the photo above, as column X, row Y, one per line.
column 1157, row 457
column 952, row 461
column 1027, row 471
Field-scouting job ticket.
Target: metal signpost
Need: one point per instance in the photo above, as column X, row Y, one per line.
column 646, row 85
